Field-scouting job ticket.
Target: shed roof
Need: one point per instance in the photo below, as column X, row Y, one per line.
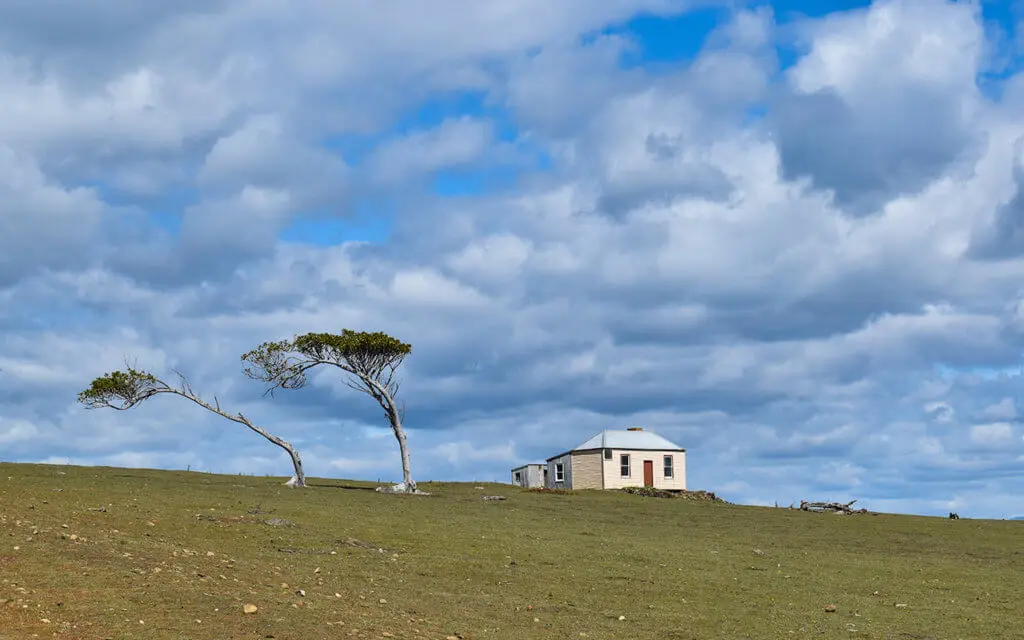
column 531, row 464
column 626, row 439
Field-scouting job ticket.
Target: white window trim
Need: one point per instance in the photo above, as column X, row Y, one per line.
column 669, row 466
column 628, row 465
column 559, row 472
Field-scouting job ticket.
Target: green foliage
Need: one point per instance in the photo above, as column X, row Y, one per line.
column 120, row 389
column 369, row 356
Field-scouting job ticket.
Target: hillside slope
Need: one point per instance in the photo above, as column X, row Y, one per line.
column 117, row 553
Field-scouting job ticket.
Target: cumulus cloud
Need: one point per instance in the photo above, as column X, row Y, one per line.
column 884, row 101
column 803, row 267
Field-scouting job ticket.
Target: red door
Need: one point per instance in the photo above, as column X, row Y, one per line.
column 648, row 473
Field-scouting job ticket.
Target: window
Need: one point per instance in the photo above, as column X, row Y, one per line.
column 607, row 454
column 624, row 463
column 559, row 472
column 668, row 466
column 519, row 477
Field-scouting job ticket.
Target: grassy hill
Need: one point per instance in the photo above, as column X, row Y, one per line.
column 114, row 553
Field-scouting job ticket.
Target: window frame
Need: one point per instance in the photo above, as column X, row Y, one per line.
column 625, row 464
column 608, row 454
column 519, row 477
column 559, row 472
column 669, row 466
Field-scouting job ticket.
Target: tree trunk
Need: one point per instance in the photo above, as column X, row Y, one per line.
column 383, row 396
column 410, row 484
column 299, row 480
column 300, row 475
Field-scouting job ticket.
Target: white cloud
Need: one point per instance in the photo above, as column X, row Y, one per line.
column 992, row 435
column 825, row 299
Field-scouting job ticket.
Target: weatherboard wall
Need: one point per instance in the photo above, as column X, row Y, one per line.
column 613, row 477
column 566, row 462
column 586, row 470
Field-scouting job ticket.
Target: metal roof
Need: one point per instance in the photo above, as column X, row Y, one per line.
column 626, row 439
column 531, row 464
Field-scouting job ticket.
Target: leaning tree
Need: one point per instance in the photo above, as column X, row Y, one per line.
column 123, row 390
column 371, row 360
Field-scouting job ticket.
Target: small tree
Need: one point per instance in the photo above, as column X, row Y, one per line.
column 123, row 390
column 371, row 360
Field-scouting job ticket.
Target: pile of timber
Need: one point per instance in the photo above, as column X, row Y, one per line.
column 835, row 507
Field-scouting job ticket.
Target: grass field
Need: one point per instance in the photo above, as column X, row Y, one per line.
column 118, row 553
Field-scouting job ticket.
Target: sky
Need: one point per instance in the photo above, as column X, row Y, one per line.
column 787, row 236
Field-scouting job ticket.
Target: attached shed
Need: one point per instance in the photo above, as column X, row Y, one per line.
column 530, row 476
column 618, row 459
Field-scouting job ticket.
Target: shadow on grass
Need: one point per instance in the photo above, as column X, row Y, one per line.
column 349, row 487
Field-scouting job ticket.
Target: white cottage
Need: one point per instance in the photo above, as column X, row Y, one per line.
column 619, row 459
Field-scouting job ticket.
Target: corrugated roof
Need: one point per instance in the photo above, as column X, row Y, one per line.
column 627, row 440
column 530, row 464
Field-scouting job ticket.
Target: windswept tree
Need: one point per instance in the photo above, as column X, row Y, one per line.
column 371, row 360
column 123, row 390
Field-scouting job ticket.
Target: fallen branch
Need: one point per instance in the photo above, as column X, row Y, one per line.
column 834, row 507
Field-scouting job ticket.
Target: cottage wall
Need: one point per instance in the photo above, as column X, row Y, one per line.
column 586, row 470
column 566, row 483
column 613, row 476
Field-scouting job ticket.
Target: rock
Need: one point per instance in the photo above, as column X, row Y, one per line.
column 901, row 606
column 401, row 488
column 622, row 617
column 830, row 608
column 494, row 498
column 279, row 522
column 249, row 608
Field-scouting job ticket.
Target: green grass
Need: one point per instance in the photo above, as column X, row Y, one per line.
column 177, row 555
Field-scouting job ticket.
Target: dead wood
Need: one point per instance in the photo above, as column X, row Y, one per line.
column 834, row 507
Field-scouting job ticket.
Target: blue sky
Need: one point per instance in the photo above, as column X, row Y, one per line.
column 788, row 236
